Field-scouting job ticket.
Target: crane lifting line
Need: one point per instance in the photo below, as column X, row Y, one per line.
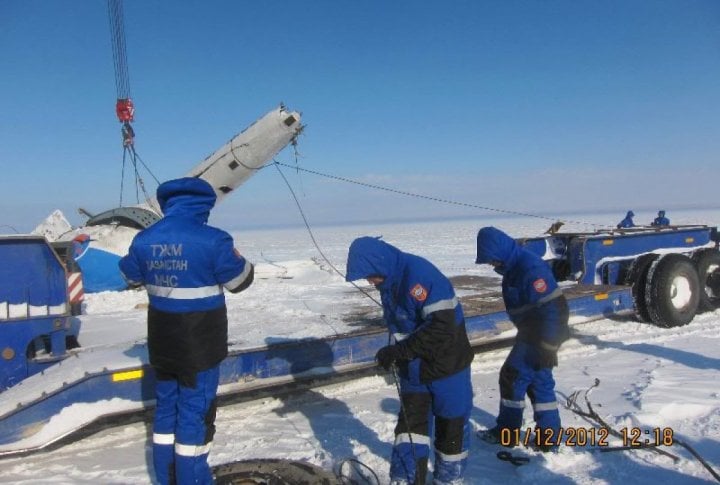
column 117, row 34
column 124, row 107
column 428, row 197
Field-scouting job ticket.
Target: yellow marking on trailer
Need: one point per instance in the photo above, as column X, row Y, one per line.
column 8, row 353
column 608, row 242
column 689, row 240
column 602, row 296
column 127, row 375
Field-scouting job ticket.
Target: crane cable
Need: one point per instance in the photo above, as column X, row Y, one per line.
column 428, row 197
column 117, row 34
column 124, row 107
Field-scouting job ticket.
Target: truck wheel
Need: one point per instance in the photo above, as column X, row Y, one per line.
column 637, row 279
column 708, row 268
column 672, row 292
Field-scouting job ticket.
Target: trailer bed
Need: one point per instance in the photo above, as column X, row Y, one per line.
column 115, row 380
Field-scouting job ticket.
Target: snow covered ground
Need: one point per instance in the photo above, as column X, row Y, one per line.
column 649, row 377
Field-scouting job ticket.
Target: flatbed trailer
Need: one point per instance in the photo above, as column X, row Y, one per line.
column 66, row 400
column 661, row 276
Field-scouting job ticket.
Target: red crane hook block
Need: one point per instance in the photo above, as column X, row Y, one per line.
column 125, row 110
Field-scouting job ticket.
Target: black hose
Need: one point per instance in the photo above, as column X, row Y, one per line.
column 357, row 466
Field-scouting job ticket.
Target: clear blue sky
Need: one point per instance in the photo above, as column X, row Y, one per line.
column 535, row 106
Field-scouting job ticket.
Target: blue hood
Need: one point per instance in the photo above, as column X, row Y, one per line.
column 630, row 214
column 188, row 197
column 661, row 213
column 369, row 256
column 495, row 245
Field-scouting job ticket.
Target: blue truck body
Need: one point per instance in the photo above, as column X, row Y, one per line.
column 35, row 322
column 604, row 257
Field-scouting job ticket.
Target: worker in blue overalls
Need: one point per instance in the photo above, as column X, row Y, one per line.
column 628, row 221
column 660, row 220
column 184, row 265
column 431, row 354
column 539, row 310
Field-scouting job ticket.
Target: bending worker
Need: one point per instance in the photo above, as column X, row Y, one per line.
column 540, row 312
column 432, row 354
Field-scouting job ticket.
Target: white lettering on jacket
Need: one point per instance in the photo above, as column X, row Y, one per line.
column 168, row 264
column 164, row 250
column 169, row 281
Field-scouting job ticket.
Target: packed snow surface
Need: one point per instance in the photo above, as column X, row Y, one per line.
column 650, row 378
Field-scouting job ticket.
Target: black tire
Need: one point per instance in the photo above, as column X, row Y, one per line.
column 672, row 292
column 637, row 279
column 560, row 269
column 76, row 309
column 71, row 342
column 272, row 472
column 708, row 267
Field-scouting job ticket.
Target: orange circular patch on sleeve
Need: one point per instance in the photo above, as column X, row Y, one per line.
column 540, row 285
column 419, row 292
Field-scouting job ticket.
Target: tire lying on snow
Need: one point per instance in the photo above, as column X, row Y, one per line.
column 272, row 472
column 708, row 268
column 672, row 292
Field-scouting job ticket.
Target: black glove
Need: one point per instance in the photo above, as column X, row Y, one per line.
column 390, row 354
column 545, row 356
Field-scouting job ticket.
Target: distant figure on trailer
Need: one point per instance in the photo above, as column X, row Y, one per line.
column 661, row 220
column 628, row 221
column 539, row 310
column 184, row 265
column 431, row 354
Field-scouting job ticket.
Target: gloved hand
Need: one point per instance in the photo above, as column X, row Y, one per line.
column 390, row 354
column 545, row 356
